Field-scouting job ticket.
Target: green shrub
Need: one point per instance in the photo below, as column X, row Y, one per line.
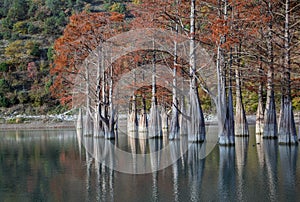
column 32, row 29
column 11, row 121
column 22, row 97
column 118, row 7
column 47, row 86
column 3, row 67
column 50, row 25
column 12, row 97
column 6, row 34
column 35, row 50
column 7, row 23
column 106, row 6
column 20, row 27
column 61, row 20
column 18, row 10
column 4, row 102
column 50, row 53
column 15, row 120
column 15, row 36
column 4, row 86
column 136, row 2
column 296, row 103
column 250, row 100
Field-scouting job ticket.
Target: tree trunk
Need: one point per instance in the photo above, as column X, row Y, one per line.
column 224, row 108
column 174, row 131
column 164, row 122
column 230, row 112
column 155, row 129
column 111, row 119
column 270, row 121
column 79, row 120
column 97, row 121
column 88, row 125
column 104, row 110
column 259, row 125
column 98, row 129
column 287, row 129
column 196, row 125
column 241, row 124
column 132, row 126
column 182, row 120
column 143, row 122
column 174, row 126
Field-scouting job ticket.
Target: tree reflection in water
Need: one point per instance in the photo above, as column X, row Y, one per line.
column 227, row 173
column 195, row 170
column 288, row 165
column 58, row 166
column 270, row 163
column 241, row 153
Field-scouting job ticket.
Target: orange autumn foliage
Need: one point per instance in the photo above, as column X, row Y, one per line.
column 82, row 35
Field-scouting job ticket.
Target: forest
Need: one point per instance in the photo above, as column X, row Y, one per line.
column 28, row 30
column 254, row 45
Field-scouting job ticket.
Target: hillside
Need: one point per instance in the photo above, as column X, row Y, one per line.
column 28, row 30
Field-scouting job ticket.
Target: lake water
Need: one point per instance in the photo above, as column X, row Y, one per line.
column 54, row 166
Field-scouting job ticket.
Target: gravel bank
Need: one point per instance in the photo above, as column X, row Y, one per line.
column 36, row 125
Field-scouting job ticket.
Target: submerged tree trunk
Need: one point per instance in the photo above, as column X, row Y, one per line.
column 104, row 97
column 230, row 110
column 164, row 122
column 224, row 108
column 259, row 124
column 88, row 124
column 174, row 127
column 108, row 114
column 79, row 123
column 143, row 122
column 225, row 137
column 241, row 124
column 196, row 124
column 98, row 129
column 132, row 123
column 97, row 122
column 155, row 129
column 287, row 129
column 182, row 120
column 270, row 121
column 111, row 118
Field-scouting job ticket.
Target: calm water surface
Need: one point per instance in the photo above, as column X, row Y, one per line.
column 53, row 166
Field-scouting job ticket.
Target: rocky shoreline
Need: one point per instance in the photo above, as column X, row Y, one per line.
column 38, row 125
column 38, row 122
